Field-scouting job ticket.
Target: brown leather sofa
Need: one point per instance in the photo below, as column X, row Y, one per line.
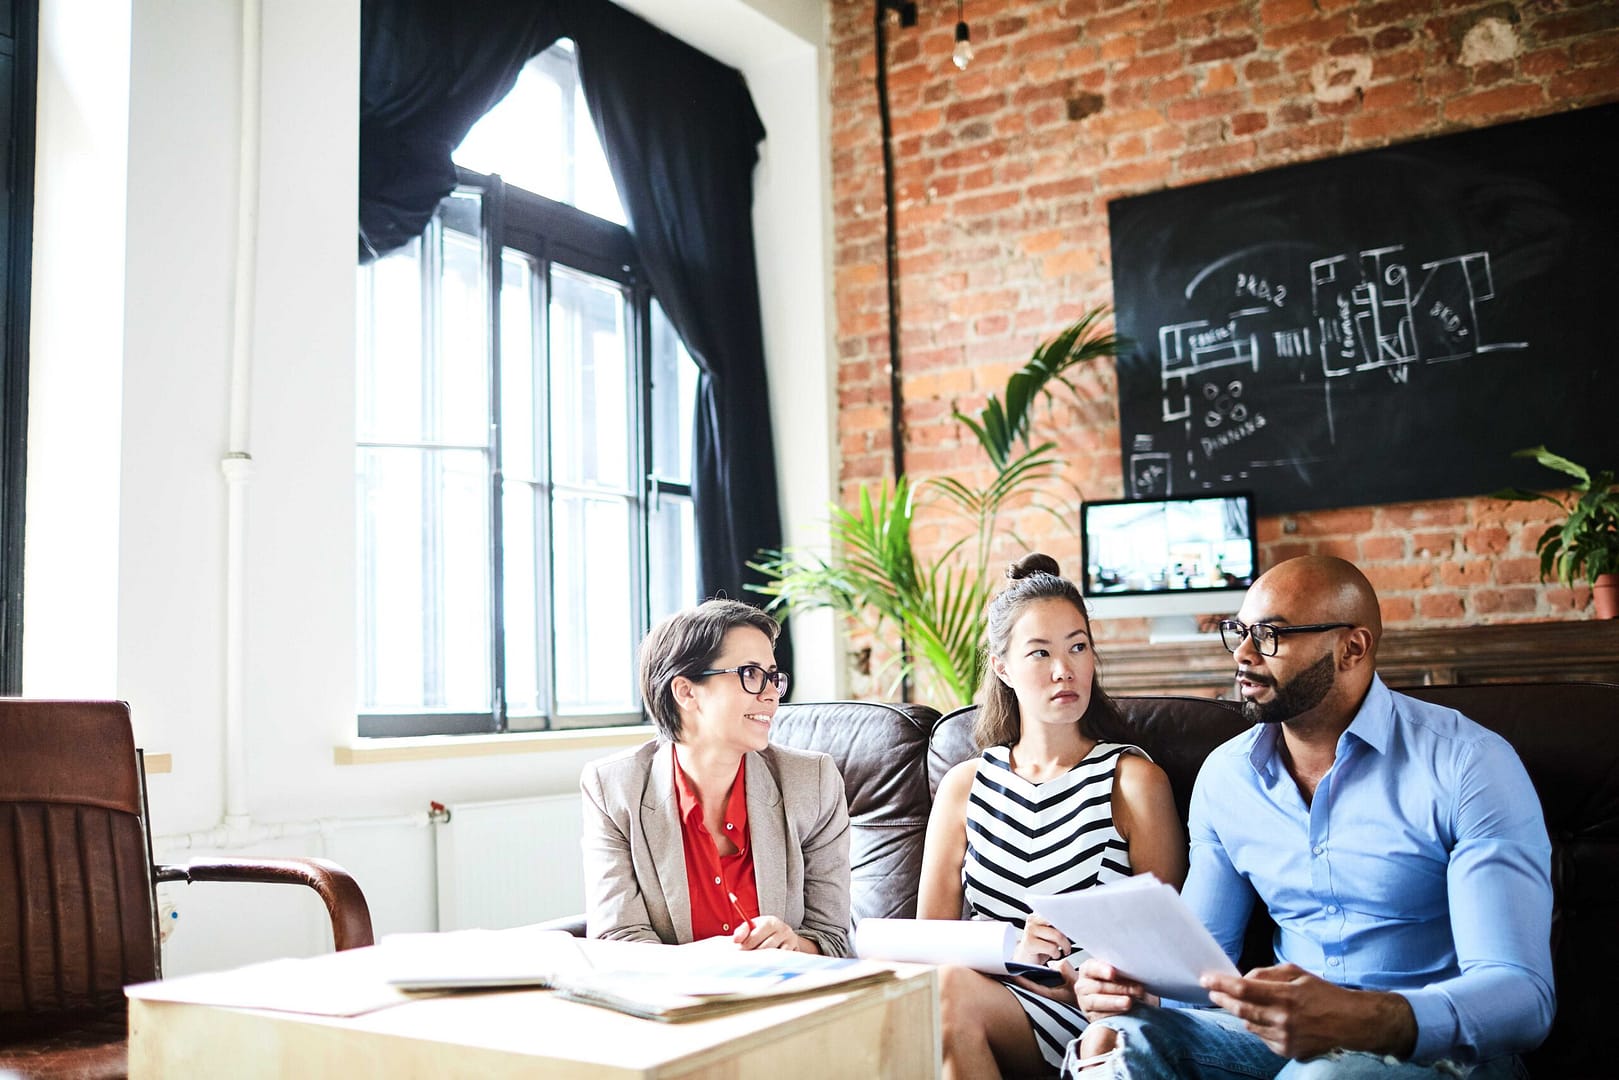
column 893, row 756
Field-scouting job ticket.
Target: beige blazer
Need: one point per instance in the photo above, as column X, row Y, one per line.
column 635, row 861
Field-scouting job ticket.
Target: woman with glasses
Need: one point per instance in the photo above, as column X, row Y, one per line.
column 1055, row 803
column 708, row 830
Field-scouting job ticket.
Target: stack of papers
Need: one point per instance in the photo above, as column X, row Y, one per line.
column 1144, row 929
column 659, row 982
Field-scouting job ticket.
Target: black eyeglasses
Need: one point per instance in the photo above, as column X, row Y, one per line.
column 753, row 677
column 1267, row 636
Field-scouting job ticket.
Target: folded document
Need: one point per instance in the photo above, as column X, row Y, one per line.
column 1144, row 929
column 981, row 944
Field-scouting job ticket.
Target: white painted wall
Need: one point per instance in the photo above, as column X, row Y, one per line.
column 129, row 419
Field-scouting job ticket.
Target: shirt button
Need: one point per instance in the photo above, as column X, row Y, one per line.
column 725, row 926
column 729, row 826
column 1318, row 849
column 1332, row 961
column 716, row 881
column 1332, row 909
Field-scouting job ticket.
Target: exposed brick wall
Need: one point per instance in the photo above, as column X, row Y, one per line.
column 1004, row 173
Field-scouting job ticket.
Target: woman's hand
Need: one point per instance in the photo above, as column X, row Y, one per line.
column 1064, row 993
column 1041, row 942
column 1102, row 992
column 769, row 932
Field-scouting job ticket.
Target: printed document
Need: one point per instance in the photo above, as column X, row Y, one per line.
column 1144, row 929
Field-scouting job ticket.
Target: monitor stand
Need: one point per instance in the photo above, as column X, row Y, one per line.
column 1169, row 629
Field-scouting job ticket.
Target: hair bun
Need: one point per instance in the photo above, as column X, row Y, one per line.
column 1031, row 564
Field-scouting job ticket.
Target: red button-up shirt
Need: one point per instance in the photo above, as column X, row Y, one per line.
column 722, row 888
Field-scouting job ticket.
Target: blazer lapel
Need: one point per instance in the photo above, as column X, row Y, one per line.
column 660, row 820
column 767, row 835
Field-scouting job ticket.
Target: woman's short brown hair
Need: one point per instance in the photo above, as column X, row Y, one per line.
column 1034, row 577
column 686, row 643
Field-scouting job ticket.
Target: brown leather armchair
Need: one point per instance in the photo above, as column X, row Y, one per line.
column 78, row 911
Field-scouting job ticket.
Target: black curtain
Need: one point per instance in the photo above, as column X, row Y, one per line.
column 681, row 137
column 428, row 71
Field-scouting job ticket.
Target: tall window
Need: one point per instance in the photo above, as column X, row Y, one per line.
column 524, row 441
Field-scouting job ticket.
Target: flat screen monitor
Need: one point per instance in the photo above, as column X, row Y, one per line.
column 1169, row 559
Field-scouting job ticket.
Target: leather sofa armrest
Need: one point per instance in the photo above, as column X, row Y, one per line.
column 573, row 924
column 345, row 903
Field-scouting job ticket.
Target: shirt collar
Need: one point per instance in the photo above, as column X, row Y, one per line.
column 1374, row 720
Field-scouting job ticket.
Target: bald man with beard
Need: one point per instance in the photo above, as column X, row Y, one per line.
column 1398, row 846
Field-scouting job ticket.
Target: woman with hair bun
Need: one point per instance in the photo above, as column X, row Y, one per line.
column 708, row 830
column 1055, row 803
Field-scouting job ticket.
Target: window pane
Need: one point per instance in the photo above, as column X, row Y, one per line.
column 390, row 380
column 674, row 397
column 424, row 579
column 525, row 691
column 540, row 137
column 591, row 407
column 672, row 539
column 595, row 629
column 519, row 406
column 459, row 410
column 593, row 188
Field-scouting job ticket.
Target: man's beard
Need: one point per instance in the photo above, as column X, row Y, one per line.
column 1295, row 697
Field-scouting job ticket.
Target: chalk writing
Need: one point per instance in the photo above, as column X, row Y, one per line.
column 1230, row 436
column 1259, row 288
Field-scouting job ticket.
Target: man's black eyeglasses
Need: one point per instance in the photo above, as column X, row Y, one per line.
column 753, row 677
column 1267, row 636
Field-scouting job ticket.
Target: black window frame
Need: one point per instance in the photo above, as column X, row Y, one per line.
column 19, row 65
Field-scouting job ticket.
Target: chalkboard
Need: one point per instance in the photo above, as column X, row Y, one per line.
column 1378, row 327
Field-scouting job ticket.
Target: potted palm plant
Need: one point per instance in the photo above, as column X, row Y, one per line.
column 1586, row 542
column 936, row 604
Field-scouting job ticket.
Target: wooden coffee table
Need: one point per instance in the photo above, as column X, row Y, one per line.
column 887, row 1029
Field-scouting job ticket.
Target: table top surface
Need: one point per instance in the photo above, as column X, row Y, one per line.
column 544, row 1024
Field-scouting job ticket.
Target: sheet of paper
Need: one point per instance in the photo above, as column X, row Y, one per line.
column 465, row 959
column 981, row 944
column 1142, row 927
column 336, row 984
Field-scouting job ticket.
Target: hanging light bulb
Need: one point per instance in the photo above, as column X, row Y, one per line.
column 963, row 54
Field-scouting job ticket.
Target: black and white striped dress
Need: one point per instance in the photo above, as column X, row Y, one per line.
column 1052, row 837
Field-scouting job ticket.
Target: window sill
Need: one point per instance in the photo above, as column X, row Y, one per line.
column 445, row 747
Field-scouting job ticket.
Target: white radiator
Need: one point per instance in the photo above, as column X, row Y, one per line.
column 509, row 863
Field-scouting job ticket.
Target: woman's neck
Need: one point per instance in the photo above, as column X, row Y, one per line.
column 1043, row 751
column 711, row 770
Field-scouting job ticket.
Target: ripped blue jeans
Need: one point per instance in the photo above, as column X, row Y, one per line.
column 1210, row 1044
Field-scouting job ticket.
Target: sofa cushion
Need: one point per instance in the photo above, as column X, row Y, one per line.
column 881, row 750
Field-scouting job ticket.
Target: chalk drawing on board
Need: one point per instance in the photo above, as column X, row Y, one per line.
column 1374, row 320
column 1149, row 475
column 1446, row 308
column 1190, row 349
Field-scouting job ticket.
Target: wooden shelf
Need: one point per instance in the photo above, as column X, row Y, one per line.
column 1585, row 651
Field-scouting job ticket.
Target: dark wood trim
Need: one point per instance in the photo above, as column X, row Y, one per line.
column 1579, row 651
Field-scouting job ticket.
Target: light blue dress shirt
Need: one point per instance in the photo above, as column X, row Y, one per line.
column 1421, row 866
